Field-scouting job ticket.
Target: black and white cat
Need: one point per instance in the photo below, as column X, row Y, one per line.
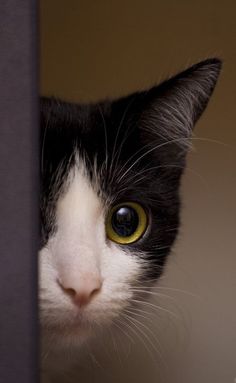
column 110, row 204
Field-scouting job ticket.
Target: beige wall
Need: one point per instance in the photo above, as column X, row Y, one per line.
column 94, row 49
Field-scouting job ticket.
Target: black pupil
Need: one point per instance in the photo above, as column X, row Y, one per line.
column 125, row 221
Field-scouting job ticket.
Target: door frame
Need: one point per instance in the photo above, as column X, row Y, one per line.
column 19, row 191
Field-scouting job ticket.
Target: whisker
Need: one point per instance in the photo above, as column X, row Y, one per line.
column 115, row 346
column 176, row 140
column 44, row 138
column 147, row 328
column 153, row 293
column 124, row 332
column 135, row 330
column 116, row 155
column 156, row 307
column 148, row 152
column 136, row 323
column 105, row 134
column 167, row 288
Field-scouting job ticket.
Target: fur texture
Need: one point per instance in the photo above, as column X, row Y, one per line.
column 94, row 157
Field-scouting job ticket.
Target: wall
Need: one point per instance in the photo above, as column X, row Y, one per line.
column 95, row 49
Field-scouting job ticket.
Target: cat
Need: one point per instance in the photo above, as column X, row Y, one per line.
column 110, row 205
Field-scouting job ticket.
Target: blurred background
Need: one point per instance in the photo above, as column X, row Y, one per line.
column 91, row 50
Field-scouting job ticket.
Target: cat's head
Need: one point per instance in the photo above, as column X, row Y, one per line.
column 110, row 204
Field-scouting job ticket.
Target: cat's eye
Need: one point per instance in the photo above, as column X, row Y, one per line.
column 126, row 223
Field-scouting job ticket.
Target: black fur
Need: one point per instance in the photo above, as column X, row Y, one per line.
column 147, row 132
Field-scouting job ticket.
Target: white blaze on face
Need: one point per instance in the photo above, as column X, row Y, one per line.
column 82, row 274
column 80, row 236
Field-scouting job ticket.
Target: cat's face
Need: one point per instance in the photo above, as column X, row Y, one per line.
column 110, row 199
column 88, row 279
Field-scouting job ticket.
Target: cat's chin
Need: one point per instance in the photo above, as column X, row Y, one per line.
column 57, row 342
column 75, row 327
column 60, row 348
column 71, row 333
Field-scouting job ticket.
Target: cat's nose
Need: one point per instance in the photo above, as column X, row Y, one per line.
column 83, row 290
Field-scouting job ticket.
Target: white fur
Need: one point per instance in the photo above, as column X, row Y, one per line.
column 79, row 249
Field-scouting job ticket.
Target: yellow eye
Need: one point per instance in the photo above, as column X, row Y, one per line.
column 126, row 223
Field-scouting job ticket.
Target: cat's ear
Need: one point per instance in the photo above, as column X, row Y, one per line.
column 171, row 109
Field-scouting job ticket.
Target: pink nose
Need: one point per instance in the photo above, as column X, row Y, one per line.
column 83, row 290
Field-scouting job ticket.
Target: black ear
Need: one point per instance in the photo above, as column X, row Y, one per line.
column 171, row 109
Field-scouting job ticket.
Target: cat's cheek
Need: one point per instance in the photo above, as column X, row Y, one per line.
column 121, row 271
